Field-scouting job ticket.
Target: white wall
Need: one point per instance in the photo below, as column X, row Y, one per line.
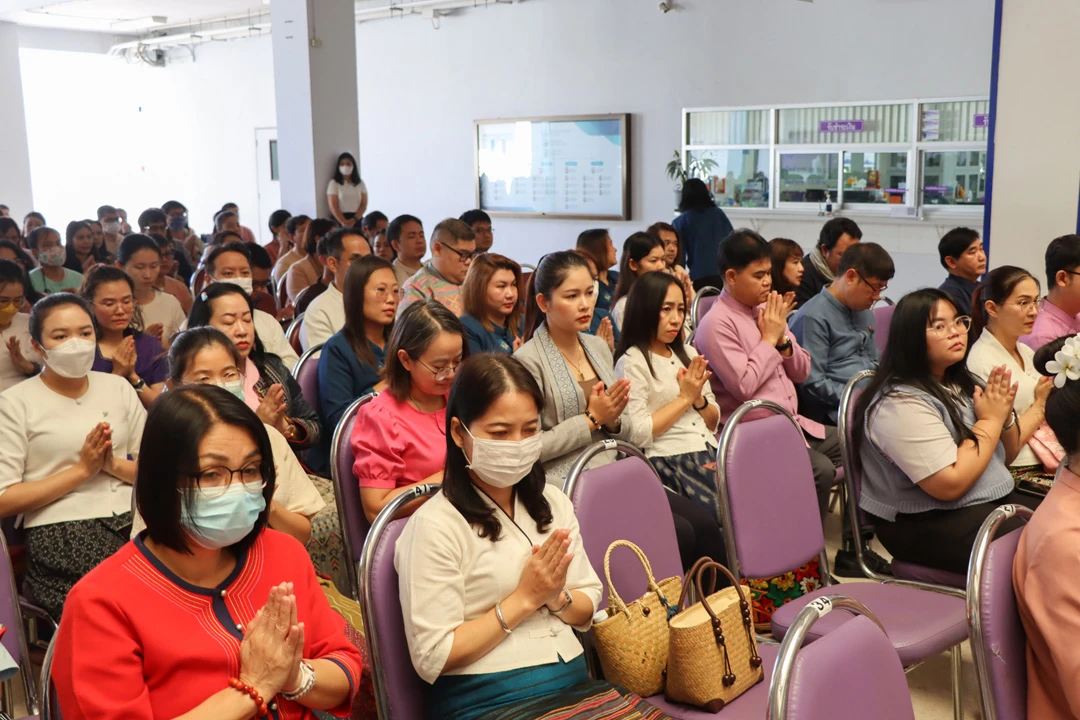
column 1037, row 139
column 101, row 131
column 421, row 89
column 14, row 158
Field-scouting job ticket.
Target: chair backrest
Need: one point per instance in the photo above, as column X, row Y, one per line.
column 282, row 292
column 882, row 321
column 703, row 301
column 198, row 282
column 997, row 635
column 624, row 500
column 293, row 333
column 264, row 301
column 399, row 691
column 768, row 501
column 50, row 704
column 306, row 372
column 14, row 640
column 354, row 524
column 850, row 673
column 305, row 296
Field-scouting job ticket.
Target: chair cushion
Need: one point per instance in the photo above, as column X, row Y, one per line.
column 920, row 623
column 751, row 705
column 910, row 571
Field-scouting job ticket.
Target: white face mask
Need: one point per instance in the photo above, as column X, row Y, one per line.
column 244, row 283
column 72, row 358
column 503, row 463
column 111, row 228
column 345, row 170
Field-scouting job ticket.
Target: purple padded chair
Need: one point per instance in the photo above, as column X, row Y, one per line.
column 292, row 334
column 50, row 703
column 306, row 372
column 771, row 526
column 853, row 489
column 997, row 636
column 14, row 639
column 354, row 524
column 850, row 674
column 399, row 691
column 882, row 321
column 702, row 303
column 625, row 500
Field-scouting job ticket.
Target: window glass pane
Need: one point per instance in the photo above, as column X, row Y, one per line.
column 274, row 173
column 728, row 127
column 875, row 177
column 967, row 121
column 809, row 177
column 954, row 178
column 845, row 125
column 737, row 178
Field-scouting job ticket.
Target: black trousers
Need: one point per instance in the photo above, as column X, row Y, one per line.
column 943, row 539
column 698, row 531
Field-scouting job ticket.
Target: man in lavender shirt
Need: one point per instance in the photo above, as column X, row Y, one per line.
column 1058, row 314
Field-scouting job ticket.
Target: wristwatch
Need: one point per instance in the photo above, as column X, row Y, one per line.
column 569, row 601
column 784, row 346
column 307, row 681
column 139, row 385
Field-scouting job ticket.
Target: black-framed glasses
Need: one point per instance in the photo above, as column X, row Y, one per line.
column 214, row 481
column 463, row 255
column 876, row 288
column 441, row 373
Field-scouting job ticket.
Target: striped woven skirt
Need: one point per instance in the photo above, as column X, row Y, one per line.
column 692, row 475
column 556, row 691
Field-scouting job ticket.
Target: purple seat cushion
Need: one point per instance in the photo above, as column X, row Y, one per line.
column 882, row 321
column 910, row 571
column 751, row 705
column 851, row 674
column 920, row 623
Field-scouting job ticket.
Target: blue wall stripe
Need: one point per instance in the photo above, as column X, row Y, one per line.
column 995, row 56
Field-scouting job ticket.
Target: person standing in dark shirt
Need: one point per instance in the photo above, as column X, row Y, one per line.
column 701, row 227
column 962, row 254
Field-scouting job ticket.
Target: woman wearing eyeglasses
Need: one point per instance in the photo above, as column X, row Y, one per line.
column 399, row 438
column 351, row 362
column 1004, row 307
column 934, row 443
column 207, row 613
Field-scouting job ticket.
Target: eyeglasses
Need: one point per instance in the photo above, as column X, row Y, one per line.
column 1025, row 306
column 876, row 288
column 463, row 255
column 441, row 373
column 942, row 328
column 382, row 292
column 127, row 303
column 214, row 481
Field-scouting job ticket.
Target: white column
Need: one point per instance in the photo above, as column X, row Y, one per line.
column 15, row 190
column 1036, row 174
column 316, row 97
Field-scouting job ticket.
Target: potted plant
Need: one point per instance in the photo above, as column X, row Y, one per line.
column 701, row 167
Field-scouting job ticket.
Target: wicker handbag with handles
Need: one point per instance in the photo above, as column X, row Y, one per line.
column 712, row 655
column 632, row 641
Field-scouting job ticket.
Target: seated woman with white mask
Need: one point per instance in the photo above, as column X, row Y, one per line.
column 493, row 574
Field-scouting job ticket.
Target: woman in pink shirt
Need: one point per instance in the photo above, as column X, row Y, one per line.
column 399, row 438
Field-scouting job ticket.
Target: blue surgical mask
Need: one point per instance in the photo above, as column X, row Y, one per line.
column 236, row 387
column 177, row 224
column 217, row 522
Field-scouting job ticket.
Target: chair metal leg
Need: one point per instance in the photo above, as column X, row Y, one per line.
column 957, row 682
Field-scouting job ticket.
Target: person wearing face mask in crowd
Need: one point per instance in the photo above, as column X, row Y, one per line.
column 112, row 227
column 79, row 253
column 32, row 222
column 70, row 451
column 269, row 389
column 326, row 313
column 140, row 257
column 17, row 358
column 207, row 613
column 124, row 348
column 493, row 573
column 52, row 276
column 347, row 194
column 453, row 247
column 641, row 253
column 181, row 233
column 399, row 438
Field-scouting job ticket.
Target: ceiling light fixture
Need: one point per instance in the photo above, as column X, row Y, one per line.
column 144, row 23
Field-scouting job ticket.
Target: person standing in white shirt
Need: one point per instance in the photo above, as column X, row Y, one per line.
column 493, row 572
column 326, row 313
column 347, row 193
column 1004, row 307
column 140, row 257
column 17, row 358
column 71, row 443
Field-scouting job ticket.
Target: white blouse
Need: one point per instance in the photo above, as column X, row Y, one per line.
column 449, row 575
column 648, row 394
column 164, row 309
column 988, row 353
column 19, row 328
column 349, row 196
column 43, row 433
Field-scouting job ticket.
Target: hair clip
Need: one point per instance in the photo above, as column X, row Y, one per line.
column 1066, row 363
column 202, row 296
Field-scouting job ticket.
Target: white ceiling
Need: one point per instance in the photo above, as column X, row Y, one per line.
column 99, row 15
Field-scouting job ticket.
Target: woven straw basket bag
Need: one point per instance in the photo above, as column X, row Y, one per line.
column 632, row 641
column 712, row 654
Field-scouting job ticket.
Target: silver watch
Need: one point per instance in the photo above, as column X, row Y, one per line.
column 565, row 605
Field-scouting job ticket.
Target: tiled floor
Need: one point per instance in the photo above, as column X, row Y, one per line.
column 931, row 682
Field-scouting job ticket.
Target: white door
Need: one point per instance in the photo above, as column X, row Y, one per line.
column 268, row 186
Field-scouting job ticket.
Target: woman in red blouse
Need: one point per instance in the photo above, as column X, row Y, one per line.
column 207, row 613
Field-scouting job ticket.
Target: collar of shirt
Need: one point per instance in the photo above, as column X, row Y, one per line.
column 1059, row 317
column 730, row 301
column 429, row 267
column 966, row 285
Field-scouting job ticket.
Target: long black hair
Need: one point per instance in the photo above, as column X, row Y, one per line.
column 354, row 178
column 25, row 263
column 419, row 325
column 550, row 273
column 356, row 279
column 636, row 248
column 480, row 381
column 201, row 312
column 996, row 287
column 1063, row 405
column 906, row 362
column 695, row 196
column 642, row 317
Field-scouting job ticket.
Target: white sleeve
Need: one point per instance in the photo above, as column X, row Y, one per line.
column 293, row 490
column 362, row 187
column 316, row 328
column 14, row 448
column 273, row 339
column 332, row 188
column 631, row 366
column 136, row 419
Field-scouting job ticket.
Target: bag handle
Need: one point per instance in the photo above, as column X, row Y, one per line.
column 689, row 581
column 718, row 630
column 613, row 594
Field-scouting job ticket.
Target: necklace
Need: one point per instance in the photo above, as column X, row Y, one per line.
column 576, row 364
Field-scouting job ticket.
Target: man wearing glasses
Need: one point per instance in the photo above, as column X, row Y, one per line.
column 836, row 327
column 480, row 222
column 453, row 247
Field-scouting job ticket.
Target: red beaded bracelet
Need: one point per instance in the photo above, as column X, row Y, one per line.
column 261, row 710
